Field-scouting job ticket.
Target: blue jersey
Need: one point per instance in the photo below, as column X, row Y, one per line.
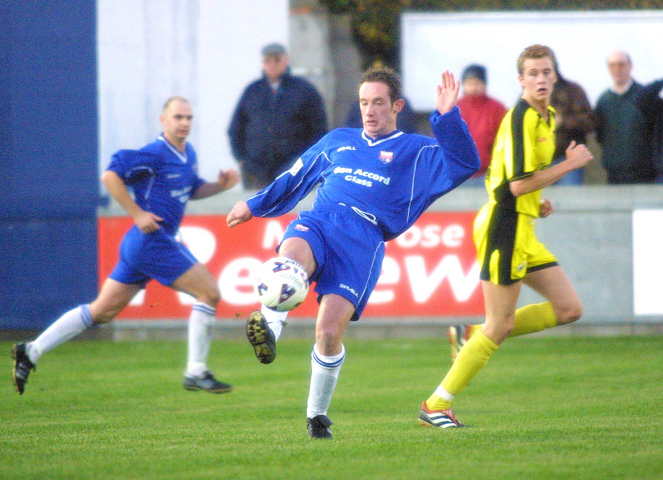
column 389, row 181
column 162, row 178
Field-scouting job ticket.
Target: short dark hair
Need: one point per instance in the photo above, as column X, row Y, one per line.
column 385, row 75
column 534, row 52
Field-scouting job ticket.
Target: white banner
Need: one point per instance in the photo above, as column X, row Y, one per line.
column 647, row 262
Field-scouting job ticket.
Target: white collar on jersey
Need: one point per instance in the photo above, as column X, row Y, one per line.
column 372, row 142
column 180, row 155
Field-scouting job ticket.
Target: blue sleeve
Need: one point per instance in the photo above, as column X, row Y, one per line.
column 284, row 193
column 133, row 163
column 461, row 158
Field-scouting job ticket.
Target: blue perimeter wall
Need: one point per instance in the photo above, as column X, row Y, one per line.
column 48, row 159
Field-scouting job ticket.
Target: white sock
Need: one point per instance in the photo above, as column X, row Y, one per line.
column 64, row 328
column 200, row 337
column 275, row 320
column 324, row 375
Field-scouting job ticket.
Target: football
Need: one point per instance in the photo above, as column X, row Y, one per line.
column 282, row 284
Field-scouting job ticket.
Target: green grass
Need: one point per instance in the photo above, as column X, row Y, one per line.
column 543, row 408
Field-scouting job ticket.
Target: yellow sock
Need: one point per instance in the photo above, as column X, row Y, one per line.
column 529, row 319
column 472, row 358
column 534, row 318
column 474, row 329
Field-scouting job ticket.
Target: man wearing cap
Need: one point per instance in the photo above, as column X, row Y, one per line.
column 483, row 116
column 277, row 118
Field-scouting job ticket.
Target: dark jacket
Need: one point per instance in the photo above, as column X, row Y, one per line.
column 269, row 131
column 622, row 132
column 651, row 104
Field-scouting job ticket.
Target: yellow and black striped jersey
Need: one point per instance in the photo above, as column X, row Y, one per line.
column 524, row 144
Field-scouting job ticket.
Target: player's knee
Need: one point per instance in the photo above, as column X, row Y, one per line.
column 299, row 250
column 498, row 331
column 569, row 313
column 211, row 296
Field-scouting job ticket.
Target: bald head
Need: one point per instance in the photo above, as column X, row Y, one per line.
column 172, row 100
column 619, row 67
column 176, row 119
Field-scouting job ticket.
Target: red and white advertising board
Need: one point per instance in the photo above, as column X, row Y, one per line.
column 430, row 270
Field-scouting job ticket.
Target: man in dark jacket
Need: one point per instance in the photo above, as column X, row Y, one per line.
column 650, row 103
column 622, row 127
column 277, row 119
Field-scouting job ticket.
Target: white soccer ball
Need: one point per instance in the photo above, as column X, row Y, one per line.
column 282, row 284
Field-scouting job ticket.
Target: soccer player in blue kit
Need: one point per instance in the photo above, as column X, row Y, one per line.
column 163, row 176
column 373, row 185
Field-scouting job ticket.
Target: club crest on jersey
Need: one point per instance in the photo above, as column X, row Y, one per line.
column 386, row 157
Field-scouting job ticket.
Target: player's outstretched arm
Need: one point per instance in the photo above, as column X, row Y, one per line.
column 227, row 179
column 446, row 93
column 577, row 156
column 239, row 214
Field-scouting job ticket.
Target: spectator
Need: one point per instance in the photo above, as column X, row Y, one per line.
column 483, row 116
column 575, row 120
column 650, row 102
column 277, row 118
column 622, row 127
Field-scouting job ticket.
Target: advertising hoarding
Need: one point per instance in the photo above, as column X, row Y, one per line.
column 430, row 270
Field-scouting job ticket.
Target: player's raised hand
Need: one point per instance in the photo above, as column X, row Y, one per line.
column 239, row 214
column 578, row 155
column 446, row 93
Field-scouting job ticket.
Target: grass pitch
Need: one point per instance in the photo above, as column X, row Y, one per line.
column 543, row 408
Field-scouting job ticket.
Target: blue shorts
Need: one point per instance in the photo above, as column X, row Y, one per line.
column 155, row 255
column 348, row 250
